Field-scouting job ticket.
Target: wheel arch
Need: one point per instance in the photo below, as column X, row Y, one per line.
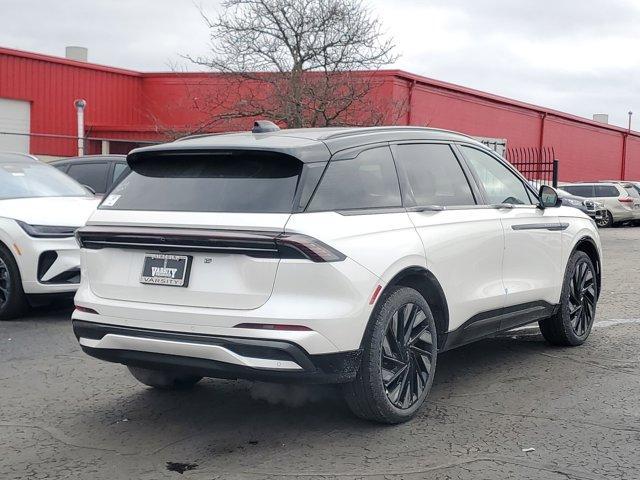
column 425, row 282
column 587, row 245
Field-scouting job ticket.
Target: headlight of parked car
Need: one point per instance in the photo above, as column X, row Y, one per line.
column 572, row 202
column 46, row 231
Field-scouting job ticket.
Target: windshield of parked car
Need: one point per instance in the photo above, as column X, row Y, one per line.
column 30, row 178
column 250, row 182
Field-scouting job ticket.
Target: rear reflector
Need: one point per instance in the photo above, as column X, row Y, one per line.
column 273, row 326
column 374, row 297
column 625, row 199
column 86, row 310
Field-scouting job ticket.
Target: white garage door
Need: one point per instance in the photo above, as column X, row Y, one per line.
column 14, row 118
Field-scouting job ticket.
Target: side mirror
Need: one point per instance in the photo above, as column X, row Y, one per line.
column 548, row 197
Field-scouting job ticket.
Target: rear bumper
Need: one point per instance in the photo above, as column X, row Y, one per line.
column 213, row 355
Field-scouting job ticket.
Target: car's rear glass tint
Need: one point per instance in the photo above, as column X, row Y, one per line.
column 580, row 190
column 607, row 191
column 367, row 181
column 251, row 182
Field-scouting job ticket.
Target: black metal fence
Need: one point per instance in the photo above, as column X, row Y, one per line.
column 538, row 165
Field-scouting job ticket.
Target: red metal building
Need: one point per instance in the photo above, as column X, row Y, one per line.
column 37, row 94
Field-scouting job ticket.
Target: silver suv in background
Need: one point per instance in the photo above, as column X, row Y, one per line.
column 621, row 200
column 594, row 209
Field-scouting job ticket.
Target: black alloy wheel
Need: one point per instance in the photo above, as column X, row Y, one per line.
column 399, row 357
column 582, row 298
column 5, row 284
column 13, row 302
column 407, row 353
column 571, row 325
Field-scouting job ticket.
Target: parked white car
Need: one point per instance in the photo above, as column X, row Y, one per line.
column 40, row 209
column 349, row 256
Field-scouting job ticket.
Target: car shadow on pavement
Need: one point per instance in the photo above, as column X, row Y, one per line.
column 220, row 416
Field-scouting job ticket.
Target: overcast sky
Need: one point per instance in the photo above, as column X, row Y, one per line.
column 579, row 56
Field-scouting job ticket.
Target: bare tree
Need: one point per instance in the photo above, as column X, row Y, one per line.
column 298, row 62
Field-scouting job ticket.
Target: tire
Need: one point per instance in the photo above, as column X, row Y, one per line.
column 392, row 390
column 571, row 325
column 606, row 221
column 13, row 301
column 162, row 379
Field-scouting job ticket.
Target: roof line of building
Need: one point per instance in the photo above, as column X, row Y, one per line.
column 411, row 77
column 505, row 100
column 66, row 61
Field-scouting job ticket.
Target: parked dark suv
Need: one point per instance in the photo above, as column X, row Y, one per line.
column 98, row 172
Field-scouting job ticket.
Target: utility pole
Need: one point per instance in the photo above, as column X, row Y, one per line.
column 630, row 115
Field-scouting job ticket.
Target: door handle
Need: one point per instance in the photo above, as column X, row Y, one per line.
column 501, row 206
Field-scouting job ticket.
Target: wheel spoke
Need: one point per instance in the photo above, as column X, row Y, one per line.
column 395, row 376
column 408, row 347
column 582, row 298
column 4, row 283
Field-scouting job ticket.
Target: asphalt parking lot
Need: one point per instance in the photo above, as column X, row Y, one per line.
column 65, row 415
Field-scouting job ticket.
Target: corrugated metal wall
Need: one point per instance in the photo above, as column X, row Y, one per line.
column 113, row 96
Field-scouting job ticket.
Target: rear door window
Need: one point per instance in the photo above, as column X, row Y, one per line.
column 367, row 181
column 93, row 175
column 607, row 191
column 433, row 175
column 236, row 181
column 580, row 190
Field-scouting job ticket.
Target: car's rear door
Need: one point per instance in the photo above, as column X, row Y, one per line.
column 463, row 241
column 532, row 269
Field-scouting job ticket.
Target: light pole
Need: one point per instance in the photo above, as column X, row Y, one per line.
column 80, row 104
column 630, row 115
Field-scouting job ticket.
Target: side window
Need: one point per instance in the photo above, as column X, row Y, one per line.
column 367, row 181
column 434, row 175
column 579, row 190
column 607, row 191
column 501, row 185
column 93, row 175
column 631, row 191
column 118, row 169
column 63, row 167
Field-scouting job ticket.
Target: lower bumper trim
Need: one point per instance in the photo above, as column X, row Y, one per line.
column 214, row 356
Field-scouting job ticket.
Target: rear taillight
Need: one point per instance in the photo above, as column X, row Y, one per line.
column 307, row 247
column 266, row 244
column 625, row 199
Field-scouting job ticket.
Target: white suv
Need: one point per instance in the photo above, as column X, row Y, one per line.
column 348, row 256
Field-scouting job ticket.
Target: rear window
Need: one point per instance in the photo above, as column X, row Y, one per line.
column 247, row 182
column 367, row 181
column 632, row 191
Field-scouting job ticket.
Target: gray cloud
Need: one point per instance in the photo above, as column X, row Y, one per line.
column 578, row 56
